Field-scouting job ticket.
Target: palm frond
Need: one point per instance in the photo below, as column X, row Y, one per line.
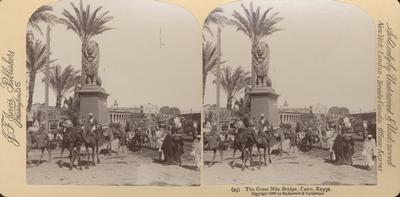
column 43, row 14
column 62, row 81
column 215, row 17
column 85, row 22
column 36, row 56
column 255, row 23
column 233, row 82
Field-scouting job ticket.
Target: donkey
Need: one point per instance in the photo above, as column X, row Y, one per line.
column 263, row 141
column 91, row 138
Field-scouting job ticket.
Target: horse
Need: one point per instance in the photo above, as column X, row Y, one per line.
column 135, row 144
column 306, row 143
column 244, row 141
column 263, row 141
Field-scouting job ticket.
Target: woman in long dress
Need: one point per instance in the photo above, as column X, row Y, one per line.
column 196, row 151
column 159, row 139
column 369, row 151
column 331, row 135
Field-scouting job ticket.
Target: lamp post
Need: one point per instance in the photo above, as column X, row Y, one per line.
column 218, row 77
column 47, row 81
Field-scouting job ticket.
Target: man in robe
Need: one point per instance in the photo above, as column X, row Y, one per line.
column 262, row 123
column 338, row 148
column 167, row 148
column 42, row 141
column 348, row 148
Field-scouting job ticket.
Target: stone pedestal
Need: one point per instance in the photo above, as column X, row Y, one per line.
column 93, row 99
column 264, row 100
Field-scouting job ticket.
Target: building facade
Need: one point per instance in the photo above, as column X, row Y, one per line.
column 294, row 115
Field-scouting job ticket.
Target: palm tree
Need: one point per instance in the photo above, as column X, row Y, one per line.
column 216, row 18
column 85, row 22
column 63, row 81
column 43, row 14
column 36, row 51
column 36, row 60
column 256, row 24
column 71, row 107
column 210, row 60
column 243, row 107
column 233, row 83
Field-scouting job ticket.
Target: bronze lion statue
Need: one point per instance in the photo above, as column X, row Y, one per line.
column 90, row 63
column 261, row 56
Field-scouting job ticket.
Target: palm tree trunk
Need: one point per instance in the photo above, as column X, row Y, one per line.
column 204, row 85
column 31, row 88
column 58, row 101
column 229, row 103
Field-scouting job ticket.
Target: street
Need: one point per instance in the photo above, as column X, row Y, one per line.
column 302, row 168
column 130, row 168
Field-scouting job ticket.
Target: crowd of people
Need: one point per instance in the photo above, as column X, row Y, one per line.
column 340, row 140
column 166, row 136
column 337, row 134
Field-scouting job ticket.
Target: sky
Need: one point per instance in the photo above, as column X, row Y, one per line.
column 134, row 69
column 325, row 54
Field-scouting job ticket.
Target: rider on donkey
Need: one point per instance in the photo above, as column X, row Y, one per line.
column 90, row 126
column 262, row 126
column 92, row 123
column 262, row 123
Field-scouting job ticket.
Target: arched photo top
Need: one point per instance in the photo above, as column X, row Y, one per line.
column 290, row 68
column 301, row 36
column 117, row 65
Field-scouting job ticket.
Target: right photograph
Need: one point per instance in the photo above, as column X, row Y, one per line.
column 289, row 94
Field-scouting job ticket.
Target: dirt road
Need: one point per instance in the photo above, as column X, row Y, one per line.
column 130, row 168
column 305, row 168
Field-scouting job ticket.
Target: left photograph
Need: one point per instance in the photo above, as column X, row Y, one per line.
column 114, row 94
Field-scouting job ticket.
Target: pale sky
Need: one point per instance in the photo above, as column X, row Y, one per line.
column 133, row 67
column 326, row 54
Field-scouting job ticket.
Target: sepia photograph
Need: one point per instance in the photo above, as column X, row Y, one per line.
column 199, row 98
column 113, row 94
column 289, row 94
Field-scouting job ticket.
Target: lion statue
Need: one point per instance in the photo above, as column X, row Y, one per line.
column 90, row 63
column 261, row 63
